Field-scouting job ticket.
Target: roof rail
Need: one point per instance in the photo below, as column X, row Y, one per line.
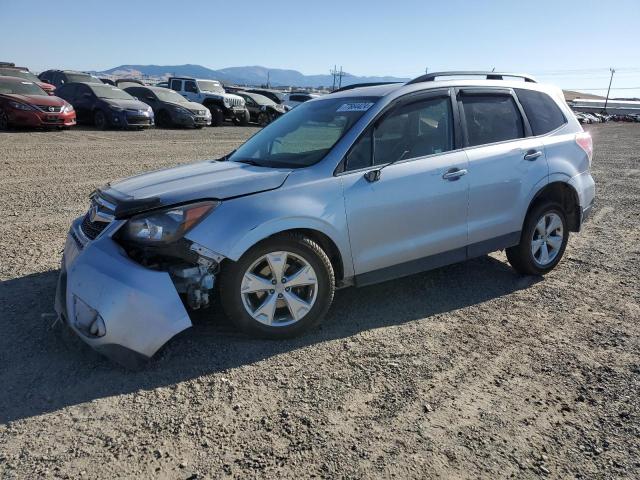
column 358, row 85
column 430, row 77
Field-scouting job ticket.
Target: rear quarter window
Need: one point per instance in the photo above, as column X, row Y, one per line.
column 543, row 113
column 491, row 119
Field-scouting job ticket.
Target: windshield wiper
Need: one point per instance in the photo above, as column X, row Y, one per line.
column 248, row 161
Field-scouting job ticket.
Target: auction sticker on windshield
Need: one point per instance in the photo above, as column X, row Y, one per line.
column 355, row 107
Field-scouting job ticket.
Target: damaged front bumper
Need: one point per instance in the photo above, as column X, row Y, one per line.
column 122, row 309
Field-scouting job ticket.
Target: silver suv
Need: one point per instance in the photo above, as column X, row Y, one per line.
column 356, row 187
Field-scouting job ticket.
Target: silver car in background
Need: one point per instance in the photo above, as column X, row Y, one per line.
column 356, row 187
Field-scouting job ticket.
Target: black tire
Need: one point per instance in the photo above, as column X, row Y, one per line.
column 521, row 256
column 198, row 127
column 264, row 119
column 164, row 119
column 217, row 115
column 233, row 273
column 100, row 120
column 243, row 121
column 4, row 120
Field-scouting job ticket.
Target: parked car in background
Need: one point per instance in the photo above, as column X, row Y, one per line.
column 60, row 77
column 274, row 95
column 162, row 84
column 22, row 72
column 211, row 94
column 127, row 82
column 262, row 110
column 354, row 188
column 106, row 106
column 170, row 108
column 24, row 103
column 294, row 99
column 107, row 81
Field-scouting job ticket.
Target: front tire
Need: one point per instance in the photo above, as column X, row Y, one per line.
column 4, row 120
column 100, row 120
column 217, row 115
column 542, row 242
column 164, row 119
column 279, row 288
column 264, row 119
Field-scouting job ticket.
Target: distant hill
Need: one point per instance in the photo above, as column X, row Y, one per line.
column 254, row 75
column 571, row 95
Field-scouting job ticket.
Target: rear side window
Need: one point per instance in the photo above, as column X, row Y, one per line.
column 543, row 113
column 190, row 86
column 491, row 118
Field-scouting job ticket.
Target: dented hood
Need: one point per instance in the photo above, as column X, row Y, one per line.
column 203, row 180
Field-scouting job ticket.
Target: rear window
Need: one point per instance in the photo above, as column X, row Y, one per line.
column 491, row 119
column 543, row 113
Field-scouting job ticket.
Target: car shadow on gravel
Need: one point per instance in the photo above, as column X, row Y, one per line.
column 44, row 368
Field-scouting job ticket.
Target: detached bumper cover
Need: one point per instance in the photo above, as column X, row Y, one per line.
column 140, row 307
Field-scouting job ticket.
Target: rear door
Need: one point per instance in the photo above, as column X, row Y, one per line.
column 84, row 101
column 505, row 163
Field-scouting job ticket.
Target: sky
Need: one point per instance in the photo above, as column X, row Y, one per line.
column 568, row 43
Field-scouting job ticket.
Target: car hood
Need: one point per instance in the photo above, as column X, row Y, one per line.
column 123, row 103
column 188, row 105
column 196, row 181
column 47, row 100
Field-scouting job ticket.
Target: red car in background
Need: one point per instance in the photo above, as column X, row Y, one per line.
column 24, row 104
column 23, row 72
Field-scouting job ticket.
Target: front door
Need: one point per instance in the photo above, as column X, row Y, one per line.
column 414, row 217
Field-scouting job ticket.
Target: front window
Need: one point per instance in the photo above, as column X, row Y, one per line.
column 107, row 91
column 190, row 86
column 210, row 86
column 166, row 95
column 20, row 88
column 14, row 72
column 81, row 77
column 305, row 135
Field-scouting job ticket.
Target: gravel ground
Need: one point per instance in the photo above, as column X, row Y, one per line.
column 467, row 371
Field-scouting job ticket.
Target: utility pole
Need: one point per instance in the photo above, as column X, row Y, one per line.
column 609, row 89
column 337, row 74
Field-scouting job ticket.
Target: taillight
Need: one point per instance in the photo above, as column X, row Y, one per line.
column 586, row 143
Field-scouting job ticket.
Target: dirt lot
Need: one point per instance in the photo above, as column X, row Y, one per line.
column 464, row 372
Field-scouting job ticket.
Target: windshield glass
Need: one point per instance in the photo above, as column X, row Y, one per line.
column 304, row 135
column 12, row 72
column 107, row 91
column 210, row 86
column 20, row 88
column 170, row 96
column 260, row 99
column 81, row 77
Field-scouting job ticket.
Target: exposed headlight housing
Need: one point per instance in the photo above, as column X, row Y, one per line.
column 166, row 226
column 226, row 101
column 116, row 108
column 67, row 108
column 21, row 106
column 182, row 110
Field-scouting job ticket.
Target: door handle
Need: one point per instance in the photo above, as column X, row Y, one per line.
column 531, row 155
column 454, row 174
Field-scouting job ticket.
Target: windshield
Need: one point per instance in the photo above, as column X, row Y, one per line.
column 20, row 88
column 305, row 135
column 210, row 86
column 107, row 91
column 12, row 72
column 82, row 77
column 170, row 96
column 260, row 99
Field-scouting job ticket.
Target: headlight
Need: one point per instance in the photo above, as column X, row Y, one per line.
column 182, row 110
column 67, row 108
column 21, row 106
column 116, row 108
column 167, row 225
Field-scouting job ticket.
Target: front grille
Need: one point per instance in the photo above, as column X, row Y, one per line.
column 236, row 102
column 136, row 120
column 92, row 229
column 46, row 108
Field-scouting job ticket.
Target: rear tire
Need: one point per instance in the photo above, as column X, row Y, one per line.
column 217, row 115
column 297, row 304
column 100, row 120
column 542, row 242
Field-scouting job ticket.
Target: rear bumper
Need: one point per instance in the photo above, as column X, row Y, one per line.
column 139, row 307
column 41, row 119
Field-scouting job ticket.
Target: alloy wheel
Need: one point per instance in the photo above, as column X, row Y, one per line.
column 547, row 238
column 279, row 289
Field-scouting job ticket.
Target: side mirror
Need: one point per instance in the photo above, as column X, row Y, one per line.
column 372, row 175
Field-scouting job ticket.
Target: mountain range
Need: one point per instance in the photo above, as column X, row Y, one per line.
column 254, row 75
